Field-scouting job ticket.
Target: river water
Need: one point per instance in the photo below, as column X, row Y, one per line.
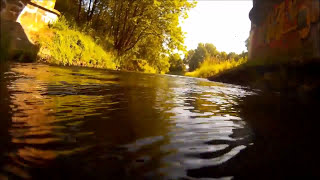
column 81, row 123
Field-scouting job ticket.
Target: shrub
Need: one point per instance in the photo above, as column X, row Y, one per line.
column 63, row 44
column 211, row 67
column 139, row 65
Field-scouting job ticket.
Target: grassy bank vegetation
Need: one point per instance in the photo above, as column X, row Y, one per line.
column 213, row 66
column 63, row 44
column 206, row 61
column 131, row 35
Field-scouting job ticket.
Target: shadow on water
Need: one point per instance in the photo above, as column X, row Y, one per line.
column 5, row 117
column 284, row 144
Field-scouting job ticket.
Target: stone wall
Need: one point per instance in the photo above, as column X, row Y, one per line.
column 285, row 29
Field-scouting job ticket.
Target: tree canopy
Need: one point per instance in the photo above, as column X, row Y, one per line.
column 202, row 52
column 134, row 29
column 195, row 57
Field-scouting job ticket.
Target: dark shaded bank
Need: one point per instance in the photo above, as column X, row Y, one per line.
column 284, row 144
column 284, row 120
column 5, row 116
column 290, row 76
column 15, row 44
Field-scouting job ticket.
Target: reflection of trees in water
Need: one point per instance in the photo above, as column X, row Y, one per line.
column 64, row 115
column 33, row 129
column 79, row 123
column 285, row 132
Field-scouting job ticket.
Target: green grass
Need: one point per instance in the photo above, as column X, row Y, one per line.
column 62, row 44
column 211, row 67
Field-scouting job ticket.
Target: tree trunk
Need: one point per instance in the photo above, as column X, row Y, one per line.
column 89, row 10
column 92, row 10
column 79, row 10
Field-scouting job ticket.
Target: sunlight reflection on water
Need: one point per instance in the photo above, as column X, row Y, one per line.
column 97, row 123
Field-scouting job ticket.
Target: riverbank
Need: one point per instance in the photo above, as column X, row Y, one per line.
column 214, row 66
column 58, row 44
column 299, row 76
column 63, row 44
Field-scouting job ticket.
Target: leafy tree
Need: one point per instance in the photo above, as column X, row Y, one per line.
column 209, row 53
column 143, row 29
column 211, row 50
column 232, row 55
column 223, row 55
column 132, row 21
column 202, row 52
column 150, row 50
column 188, row 56
column 199, row 55
column 176, row 63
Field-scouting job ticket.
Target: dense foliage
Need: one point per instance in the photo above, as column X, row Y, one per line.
column 213, row 66
column 195, row 57
column 176, row 63
column 138, row 31
column 63, row 45
column 206, row 60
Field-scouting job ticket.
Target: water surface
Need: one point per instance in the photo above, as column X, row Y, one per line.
column 81, row 123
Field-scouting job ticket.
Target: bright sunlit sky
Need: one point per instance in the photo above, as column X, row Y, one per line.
column 224, row 23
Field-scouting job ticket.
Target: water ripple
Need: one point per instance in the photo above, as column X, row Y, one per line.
column 88, row 121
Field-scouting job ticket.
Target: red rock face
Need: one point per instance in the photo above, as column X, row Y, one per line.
column 287, row 28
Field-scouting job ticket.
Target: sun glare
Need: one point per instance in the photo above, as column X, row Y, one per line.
column 226, row 24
